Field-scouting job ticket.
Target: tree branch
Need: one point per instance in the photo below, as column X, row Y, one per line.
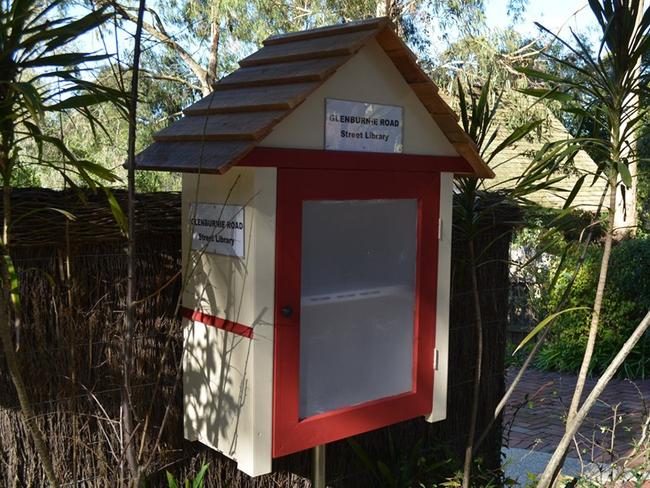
column 160, row 33
column 211, row 75
column 574, row 424
column 176, row 79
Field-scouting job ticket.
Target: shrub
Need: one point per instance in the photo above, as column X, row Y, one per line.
column 423, row 467
column 625, row 303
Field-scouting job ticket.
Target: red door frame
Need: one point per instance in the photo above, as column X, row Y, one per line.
column 290, row 434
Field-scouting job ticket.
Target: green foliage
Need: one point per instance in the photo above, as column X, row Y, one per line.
column 625, row 302
column 76, row 139
column 25, row 176
column 518, row 359
column 41, row 77
column 404, row 469
column 420, row 467
column 481, row 479
column 196, row 482
column 243, row 24
column 478, row 109
column 477, row 57
column 531, row 480
column 535, row 256
column 595, row 88
column 636, row 476
column 160, row 102
column 548, row 320
column 643, row 175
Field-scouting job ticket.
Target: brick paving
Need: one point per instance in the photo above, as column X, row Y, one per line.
column 534, row 417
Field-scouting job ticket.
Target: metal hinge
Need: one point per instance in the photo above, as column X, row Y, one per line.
column 436, row 359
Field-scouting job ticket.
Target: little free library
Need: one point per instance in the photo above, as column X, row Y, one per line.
column 317, row 202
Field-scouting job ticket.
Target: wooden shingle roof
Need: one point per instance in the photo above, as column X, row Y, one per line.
column 222, row 128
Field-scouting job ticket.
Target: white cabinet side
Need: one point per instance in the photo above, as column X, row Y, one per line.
column 440, row 376
column 227, row 377
column 263, row 325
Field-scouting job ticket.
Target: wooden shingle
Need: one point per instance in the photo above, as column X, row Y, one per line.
column 319, row 47
column 193, row 156
column 281, row 73
column 220, row 129
column 329, row 30
column 252, row 99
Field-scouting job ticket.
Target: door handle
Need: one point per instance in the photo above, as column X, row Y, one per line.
column 286, row 311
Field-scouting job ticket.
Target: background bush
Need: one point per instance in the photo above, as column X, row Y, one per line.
column 626, row 301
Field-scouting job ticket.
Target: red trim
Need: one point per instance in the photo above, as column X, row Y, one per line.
column 219, row 323
column 290, row 434
column 316, row 159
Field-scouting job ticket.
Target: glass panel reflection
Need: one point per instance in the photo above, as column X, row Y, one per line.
column 357, row 302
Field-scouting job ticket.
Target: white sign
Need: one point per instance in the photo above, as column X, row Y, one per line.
column 360, row 126
column 217, row 228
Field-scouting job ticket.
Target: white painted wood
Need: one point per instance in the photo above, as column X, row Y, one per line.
column 227, row 378
column 264, row 290
column 439, row 411
column 370, row 76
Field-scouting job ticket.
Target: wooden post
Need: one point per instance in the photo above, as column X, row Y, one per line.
column 318, row 467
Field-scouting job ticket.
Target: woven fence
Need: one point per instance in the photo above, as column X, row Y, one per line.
column 73, row 284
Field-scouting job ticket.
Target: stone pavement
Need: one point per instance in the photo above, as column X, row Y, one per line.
column 534, row 417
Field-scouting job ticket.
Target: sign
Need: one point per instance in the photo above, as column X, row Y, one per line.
column 360, row 126
column 217, row 228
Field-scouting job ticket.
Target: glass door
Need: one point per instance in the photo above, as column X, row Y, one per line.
column 356, row 271
column 357, row 302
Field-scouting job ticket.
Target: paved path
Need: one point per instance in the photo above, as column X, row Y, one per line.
column 534, row 418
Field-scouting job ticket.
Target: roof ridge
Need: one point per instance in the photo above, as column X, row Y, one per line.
column 328, row 30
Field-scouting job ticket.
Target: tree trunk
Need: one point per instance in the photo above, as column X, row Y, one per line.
column 556, row 460
column 626, row 217
column 595, row 316
column 211, row 73
column 469, row 449
column 129, row 442
column 6, row 333
column 23, row 398
column 598, row 301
